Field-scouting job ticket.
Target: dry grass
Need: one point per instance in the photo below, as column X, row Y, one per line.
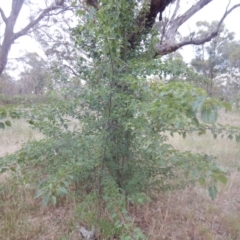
column 227, row 151
column 12, row 138
column 22, row 217
column 189, row 213
column 180, row 215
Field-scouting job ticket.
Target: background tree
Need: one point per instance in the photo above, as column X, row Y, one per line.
column 230, row 79
column 7, row 84
column 57, row 42
column 36, row 76
column 216, row 61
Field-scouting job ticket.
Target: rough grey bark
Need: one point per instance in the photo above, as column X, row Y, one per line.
column 169, row 45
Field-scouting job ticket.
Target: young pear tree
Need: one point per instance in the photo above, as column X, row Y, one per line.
column 121, row 119
column 111, row 137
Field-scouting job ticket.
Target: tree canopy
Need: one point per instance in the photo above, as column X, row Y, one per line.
column 146, row 15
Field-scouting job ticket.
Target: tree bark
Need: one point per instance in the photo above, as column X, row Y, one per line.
column 169, row 45
column 8, row 33
column 9, row 36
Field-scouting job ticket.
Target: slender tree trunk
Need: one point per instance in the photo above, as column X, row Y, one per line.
column 9, row 32
column 10, row 36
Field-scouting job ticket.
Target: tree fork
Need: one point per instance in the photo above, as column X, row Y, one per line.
column 9, row 36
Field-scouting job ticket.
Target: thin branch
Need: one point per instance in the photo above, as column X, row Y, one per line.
column 214, row 33
column 43, row 14
column 166, row 48
column 176, row 9
column 61, row 11
column 229, row 2
column 176, row 23
column 73, row 72
column 3, row 16
column 226, row 14
column 165, row 24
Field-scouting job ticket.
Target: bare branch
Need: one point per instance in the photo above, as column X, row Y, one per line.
column 43, row 14
column 73, row 72
column 176, row 23
column 226, row 14
column 176, row 9
column 166, row 48
column 3, row 16
column 61, row 11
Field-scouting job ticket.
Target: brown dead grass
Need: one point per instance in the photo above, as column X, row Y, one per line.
column 22, row 217
column 12, row 138
column 190, row 213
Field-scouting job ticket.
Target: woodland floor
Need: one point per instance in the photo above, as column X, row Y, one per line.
column 178, row 215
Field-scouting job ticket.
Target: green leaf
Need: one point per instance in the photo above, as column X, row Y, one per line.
column 62, row 191
column 14, row 115
column 202, row 181
column 218, row 169
column 2, row 125
column 39, row 193
column 221, row 178
column 54, row 200
column 205, row 115
column 212, row 190
column 8, row 123
column 230, row 136
column 198, row 103
column 209, row 115
column 46, row 199
column 3, row 113
column 30, row 122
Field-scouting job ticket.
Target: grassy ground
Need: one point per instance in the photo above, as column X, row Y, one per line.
column 12, row 138
column 180, row 215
